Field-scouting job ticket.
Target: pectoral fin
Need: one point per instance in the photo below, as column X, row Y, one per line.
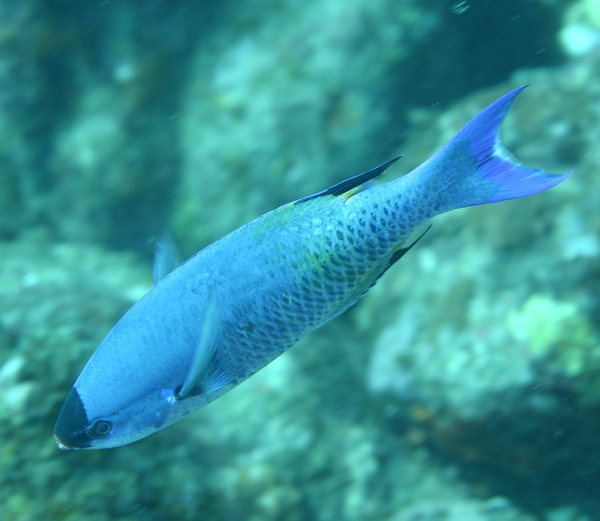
column 201, row 377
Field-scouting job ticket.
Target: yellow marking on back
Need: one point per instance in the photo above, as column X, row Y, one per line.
column 357, row 189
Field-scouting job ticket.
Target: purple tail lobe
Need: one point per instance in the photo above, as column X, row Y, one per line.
column 503, row 177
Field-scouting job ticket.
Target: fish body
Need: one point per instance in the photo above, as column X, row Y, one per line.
column 239, row 303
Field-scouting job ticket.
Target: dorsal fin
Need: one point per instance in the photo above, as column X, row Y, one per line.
column 351, row 183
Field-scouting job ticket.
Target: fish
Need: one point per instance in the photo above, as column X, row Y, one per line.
column 232, row 308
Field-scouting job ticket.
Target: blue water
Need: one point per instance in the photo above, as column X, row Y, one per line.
column 463, row 387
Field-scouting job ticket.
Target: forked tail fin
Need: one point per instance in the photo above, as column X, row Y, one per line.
column 475, row 168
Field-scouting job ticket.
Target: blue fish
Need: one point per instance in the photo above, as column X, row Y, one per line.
column 239, row 303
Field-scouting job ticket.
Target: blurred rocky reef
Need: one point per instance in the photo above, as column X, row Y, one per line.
column 465, row 386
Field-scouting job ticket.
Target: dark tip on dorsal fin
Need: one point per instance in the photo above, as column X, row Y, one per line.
column 357, row 180
column 353, row 182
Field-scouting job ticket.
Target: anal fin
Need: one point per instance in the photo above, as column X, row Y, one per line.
column 399, row 252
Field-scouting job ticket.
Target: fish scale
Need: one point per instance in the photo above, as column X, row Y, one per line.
column 236, row 305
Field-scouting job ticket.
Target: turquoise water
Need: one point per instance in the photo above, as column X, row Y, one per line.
column 463, row 387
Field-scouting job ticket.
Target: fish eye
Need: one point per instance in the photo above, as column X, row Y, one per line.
column 100, row 429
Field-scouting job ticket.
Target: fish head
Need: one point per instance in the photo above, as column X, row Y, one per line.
column 152, row 369
column 86, row 423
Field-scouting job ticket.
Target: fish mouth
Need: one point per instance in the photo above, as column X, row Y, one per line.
column 63, row 446
column 70, row 429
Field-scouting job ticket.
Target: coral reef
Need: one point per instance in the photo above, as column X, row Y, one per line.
column 464, row 386
column 302, row 93
column 494, row 352
column 580, row 33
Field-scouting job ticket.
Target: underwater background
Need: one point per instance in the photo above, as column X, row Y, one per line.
column 464, row 386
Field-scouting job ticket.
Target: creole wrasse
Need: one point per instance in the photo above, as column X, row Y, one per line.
column 239, row 303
